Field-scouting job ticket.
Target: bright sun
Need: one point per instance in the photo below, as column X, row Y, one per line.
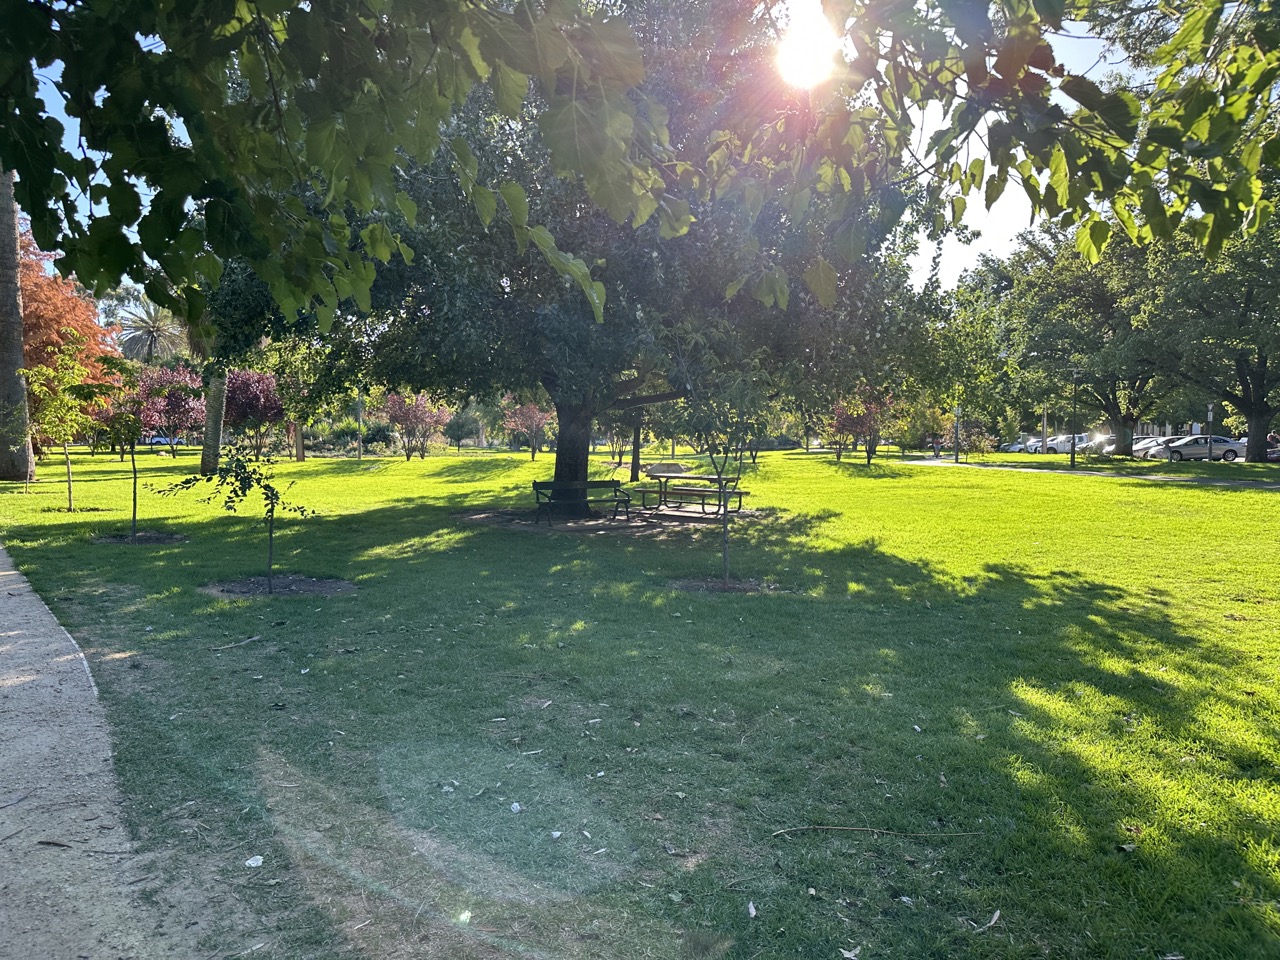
column 807, row 50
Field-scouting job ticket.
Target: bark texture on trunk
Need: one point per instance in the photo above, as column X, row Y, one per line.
column 1260, row 421
column 215, row 408
column 299, row 443
column 16, row 459
column 573, row 453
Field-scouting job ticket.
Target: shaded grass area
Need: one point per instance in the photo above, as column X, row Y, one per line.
column 1064, row 688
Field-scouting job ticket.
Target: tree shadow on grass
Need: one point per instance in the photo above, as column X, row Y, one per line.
column 1060, row 717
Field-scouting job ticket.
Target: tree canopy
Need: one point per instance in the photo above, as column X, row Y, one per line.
column 209, row 129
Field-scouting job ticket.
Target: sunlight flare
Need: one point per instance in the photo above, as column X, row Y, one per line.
column 807, row 50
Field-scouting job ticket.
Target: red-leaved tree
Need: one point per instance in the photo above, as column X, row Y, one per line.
column 841, row 428
column 527, row 419
column 170, row 402
column 861, row 416
column 416, row 419
column 57, row 314
column 253, row 406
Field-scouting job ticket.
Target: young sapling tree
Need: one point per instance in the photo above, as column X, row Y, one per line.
column 235, row 481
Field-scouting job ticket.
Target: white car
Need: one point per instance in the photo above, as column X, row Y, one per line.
column 1058, row 444
column 1198, row 448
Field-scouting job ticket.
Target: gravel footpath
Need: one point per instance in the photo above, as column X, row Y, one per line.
column 69, row 878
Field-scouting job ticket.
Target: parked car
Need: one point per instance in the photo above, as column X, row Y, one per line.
column 1062, row 444
column 1098, row 444
column 1197, row 448
column 1035, row 444
column 158, row 441
column 1017, row 446
column 1154, row 448
column 1110, row 446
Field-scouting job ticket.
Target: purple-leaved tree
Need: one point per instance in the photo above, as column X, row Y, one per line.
column 417, row 418
column 253, row 406
column 170, row 402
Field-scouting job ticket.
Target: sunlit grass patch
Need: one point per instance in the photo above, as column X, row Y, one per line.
column 1045, row 695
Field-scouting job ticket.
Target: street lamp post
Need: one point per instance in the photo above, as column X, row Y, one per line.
column 1075, row 386
column 1211, row 431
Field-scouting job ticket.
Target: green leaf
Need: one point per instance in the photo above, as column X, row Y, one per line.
column 377, row 240
column 674, row 219
column 1083, row 91
column 1121, row 112
column 1092, row 237
column 517, row 202
column 734, row 288
column 851, row 241
column 1051, row 11
column 1153, row 210
column 408, row 209
column 510, row 87
column 611, row 48
column 486, row 203
column 570, row 266
column 466, row 164
column 821, row 280
column 584, row 139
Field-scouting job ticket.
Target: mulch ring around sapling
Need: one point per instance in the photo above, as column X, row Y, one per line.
column 144, row 537
column 284, row 585
column 716, row 585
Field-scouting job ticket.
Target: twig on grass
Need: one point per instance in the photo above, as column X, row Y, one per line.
column 240, row 644
column 890, row 833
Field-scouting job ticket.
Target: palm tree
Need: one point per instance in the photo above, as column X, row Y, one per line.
column 151, row 332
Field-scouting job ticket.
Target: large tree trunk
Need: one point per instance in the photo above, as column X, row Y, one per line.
column 299, row 442
column 215, row 407
column 16, row 459
column 573, row 453
column 1260, row 421
column 1122, row 429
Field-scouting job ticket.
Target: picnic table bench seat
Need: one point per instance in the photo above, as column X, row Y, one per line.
column 550, row 493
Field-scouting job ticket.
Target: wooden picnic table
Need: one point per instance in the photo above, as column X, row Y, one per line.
column 718, row 490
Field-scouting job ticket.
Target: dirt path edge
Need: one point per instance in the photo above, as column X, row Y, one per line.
column 70, row 879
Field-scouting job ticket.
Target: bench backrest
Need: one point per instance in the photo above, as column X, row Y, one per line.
column 554, row 485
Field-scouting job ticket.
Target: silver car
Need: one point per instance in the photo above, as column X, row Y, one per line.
column 1198, row 448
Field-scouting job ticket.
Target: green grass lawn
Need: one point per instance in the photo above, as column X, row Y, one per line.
column 1049, row 696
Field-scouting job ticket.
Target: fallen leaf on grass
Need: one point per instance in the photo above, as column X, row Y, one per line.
column 1126, row 847
column 990, row 923
column 851, row 954
column 751, row 909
